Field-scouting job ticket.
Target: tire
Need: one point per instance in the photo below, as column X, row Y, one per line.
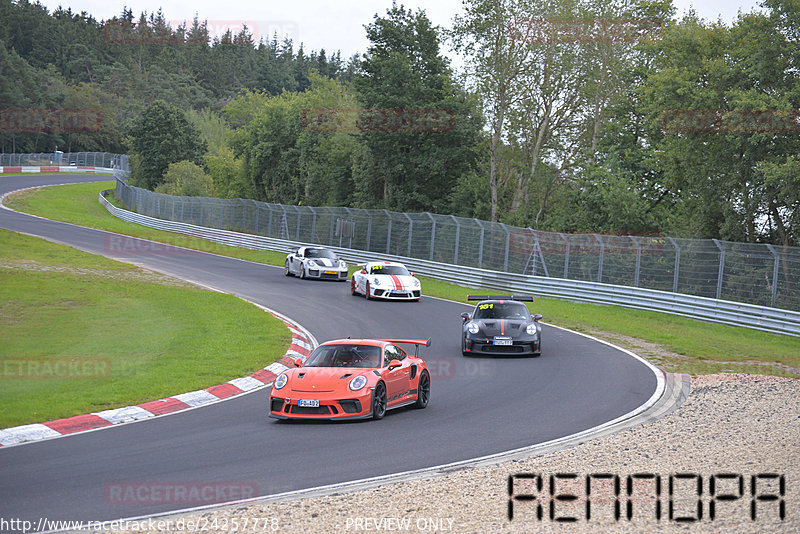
column 353, row 287
column 464, row 347
column 286, row 269
column 366, row 292
column 423, row 390
column 379, row 401
column 302, row 272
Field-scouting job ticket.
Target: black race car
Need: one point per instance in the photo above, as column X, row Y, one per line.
column 501, row 325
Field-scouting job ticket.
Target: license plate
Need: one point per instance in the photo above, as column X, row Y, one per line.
column 331, row 272
column 502, row 341
column 398, row 292
column 308, row 403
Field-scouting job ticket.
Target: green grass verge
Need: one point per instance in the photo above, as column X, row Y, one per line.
column 135, row 335
column 675, row 343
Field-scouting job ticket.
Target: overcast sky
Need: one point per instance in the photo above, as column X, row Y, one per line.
column 332, row 25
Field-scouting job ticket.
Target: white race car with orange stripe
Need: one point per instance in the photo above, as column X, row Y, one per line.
column 385, row 280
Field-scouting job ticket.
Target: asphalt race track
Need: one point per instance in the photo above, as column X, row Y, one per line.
column 478, row 406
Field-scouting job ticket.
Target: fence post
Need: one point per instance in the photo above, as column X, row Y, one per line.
column 602, row 254
column 332, row 225
column 508, row 245
column 410, row 233
column 566, row 256
column 480, row 246
column 350, row 240
column 433, row 233
column 721, row 266
column 369, row 228
column 537, row 249
column 774, row 274
column 677, row 264
column 388, row 232
column 297, row 229
column 458, row 235
column 258, row 210
column 638, row 261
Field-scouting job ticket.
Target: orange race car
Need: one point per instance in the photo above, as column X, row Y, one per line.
column 352, row 379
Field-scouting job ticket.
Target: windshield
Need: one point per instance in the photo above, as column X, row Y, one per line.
column 345, row 356
column 389, row 269
column 496, row 310
column 320, row 253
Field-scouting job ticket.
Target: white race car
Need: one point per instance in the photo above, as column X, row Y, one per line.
column 315, row 262
column 386, row 280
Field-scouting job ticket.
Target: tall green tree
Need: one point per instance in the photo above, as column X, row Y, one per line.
column 162, row 135
column 721, row 149
column 286, row 158
column 403, row 75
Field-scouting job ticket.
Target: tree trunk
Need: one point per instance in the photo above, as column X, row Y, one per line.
column 495, row 152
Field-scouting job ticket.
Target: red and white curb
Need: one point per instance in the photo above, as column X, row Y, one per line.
column 302, row 345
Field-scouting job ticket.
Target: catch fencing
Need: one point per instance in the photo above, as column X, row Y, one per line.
column 713, row 310
column 77, row 159
column 760, row 274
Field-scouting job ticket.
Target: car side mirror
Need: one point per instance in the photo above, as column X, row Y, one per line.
column 465, row 316
column 537, row 317
column 394, row 364
column 363, row 271
column 298, row 362
column 412, row 274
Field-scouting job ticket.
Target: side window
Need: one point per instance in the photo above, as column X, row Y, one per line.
column 392, row 352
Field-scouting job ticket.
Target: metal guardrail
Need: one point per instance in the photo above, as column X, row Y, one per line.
column 772, row 320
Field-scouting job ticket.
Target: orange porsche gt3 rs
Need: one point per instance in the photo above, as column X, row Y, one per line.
column 352, row 379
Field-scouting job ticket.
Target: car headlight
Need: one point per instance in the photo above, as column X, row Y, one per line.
column 358, row 382
column 416, row 282
column 280, row 381
column 342, row 264
column 376, row 281
column 473, row 328
column 312, row 263
column 531, row 329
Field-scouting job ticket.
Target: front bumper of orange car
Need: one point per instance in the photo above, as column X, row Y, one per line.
column 333, row 405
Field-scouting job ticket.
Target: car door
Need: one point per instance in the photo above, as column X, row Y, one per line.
column 297, row 261
column 361, row 278
column 398, row 379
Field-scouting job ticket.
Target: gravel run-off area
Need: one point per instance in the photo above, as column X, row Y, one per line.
column 732, row 424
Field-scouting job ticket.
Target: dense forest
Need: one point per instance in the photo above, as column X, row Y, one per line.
column 605, row 116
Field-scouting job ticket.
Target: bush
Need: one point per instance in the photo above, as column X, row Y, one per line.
column 186, row 179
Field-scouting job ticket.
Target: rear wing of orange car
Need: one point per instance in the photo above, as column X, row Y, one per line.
column 415, row 342
column 500, row 297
